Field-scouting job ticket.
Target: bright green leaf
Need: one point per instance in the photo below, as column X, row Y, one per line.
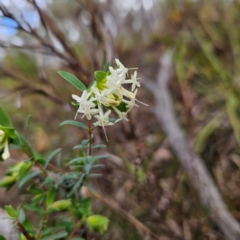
column 4, row 119
column 75, row 123
column 50, row 196
column 10, row 211
column 73, row 80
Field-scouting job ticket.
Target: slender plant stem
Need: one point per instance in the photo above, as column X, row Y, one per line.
column 41, row 168
column 21, row 228
column 42, row 225
column 90, row 137
column 77, row 226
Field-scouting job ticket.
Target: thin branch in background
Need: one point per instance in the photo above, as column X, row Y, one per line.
column 191, row 162
column 31, row 89
column 128, row 217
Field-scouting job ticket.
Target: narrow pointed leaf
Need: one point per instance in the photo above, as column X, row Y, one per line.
column 56, row 236
column 28, row 178
column 4, row 119
column 73, row 80
column 51, row 155
column 74, row 123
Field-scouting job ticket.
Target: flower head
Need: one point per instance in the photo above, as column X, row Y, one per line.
column 108, row 92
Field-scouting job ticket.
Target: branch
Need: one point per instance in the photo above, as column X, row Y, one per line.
column 31, row 87
column 128, row 217
column 192, row 163
column 21, row 228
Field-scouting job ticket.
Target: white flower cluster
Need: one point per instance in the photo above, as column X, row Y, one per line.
column 109, row 94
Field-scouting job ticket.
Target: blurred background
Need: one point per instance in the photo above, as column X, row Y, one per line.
column 39, row 38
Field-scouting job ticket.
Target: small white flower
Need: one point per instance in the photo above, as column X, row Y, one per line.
column 114, row 81
column 100, row 96
column 88, row 112
column 120, row 114
column 121, row 68
column 133, row 80
column 127, row 93
column 103, row 119
column 6, row 153
column 85, row 104
column 131, row 103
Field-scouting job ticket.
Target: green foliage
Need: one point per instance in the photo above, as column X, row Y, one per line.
column 10, row 210
column 4, row 119
column 56, row 191
column 101, row 79
column 73, row 80
column 74, row 123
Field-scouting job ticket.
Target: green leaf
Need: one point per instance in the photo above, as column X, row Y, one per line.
column 73, row 80
column 10, row 131
column 56, row 236
column 84, row 144
column 101, row 79
column 28, row 178
column 24, row 170
column 29, row 226
column 51, row 155
column 82, row 159
column 99, row 146
column 37, row 199
column 95, row 175
column 122, row 107
column 51, row 196
column 4, row 119
column 88, row 168
column 75, row 123
column 105, row 68
column 91, row 84
column 26, row 127
column 76, row 186
column 19, row 140
column 10, row 211
column 102, row 156
column 47, row 231
column 38, row 158
column 21, row 215
column 98, row 166
column 33, row 208
column 2, row 237
column 7, row 181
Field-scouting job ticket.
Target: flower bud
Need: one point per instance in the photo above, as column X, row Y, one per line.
column 7, row 181
column 61, row 205
column 4, row 144
column 97, row 223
